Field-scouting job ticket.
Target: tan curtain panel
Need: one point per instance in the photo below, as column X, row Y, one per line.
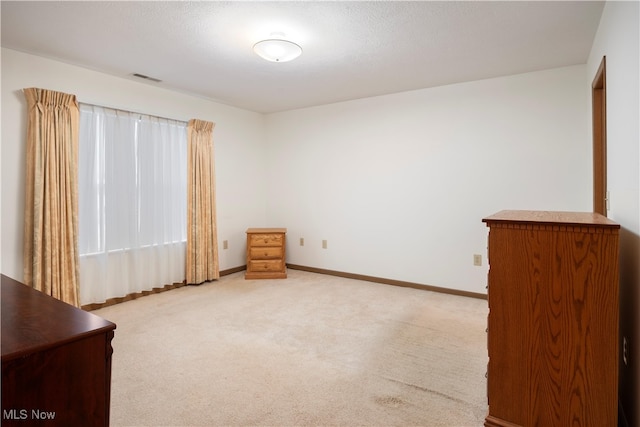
column 51, row 207
column 202, row 239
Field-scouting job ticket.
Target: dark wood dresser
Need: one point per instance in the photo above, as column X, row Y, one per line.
column 56, row 361
column 553, row 319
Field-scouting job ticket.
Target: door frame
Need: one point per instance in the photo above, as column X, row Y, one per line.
column 599, row 121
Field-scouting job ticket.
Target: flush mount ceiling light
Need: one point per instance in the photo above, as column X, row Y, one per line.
column 277, row 49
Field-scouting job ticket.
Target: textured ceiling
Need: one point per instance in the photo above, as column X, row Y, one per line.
column 351, row 49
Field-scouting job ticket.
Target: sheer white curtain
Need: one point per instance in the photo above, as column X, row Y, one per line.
column 132, row 172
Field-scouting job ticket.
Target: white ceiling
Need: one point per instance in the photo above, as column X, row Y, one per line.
column 352, row 49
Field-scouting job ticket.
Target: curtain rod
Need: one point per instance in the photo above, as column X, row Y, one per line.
column 134, row 112
column 186, row 122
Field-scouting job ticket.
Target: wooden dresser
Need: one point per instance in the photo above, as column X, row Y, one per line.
column 56, row 361
column 266, row 253
column 553, row 319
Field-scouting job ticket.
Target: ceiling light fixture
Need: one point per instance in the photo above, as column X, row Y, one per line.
column 277, row 49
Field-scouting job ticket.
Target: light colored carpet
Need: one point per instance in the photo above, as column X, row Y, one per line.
column 310, row 350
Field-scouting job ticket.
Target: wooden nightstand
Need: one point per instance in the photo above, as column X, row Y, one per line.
column 266, row 253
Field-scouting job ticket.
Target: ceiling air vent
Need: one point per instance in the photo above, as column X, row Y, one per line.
column 142, row 76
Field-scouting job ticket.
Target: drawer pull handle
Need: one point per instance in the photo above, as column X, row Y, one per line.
column 266, row 240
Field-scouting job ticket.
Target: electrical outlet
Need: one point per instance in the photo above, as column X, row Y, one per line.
column 302, row 241
column 625, row 350
column 225, row 244
column 477, row 259
column 324, row 244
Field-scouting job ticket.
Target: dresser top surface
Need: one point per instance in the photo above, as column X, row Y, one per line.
column 33, row 321
column 266, row 230
column 551, row 217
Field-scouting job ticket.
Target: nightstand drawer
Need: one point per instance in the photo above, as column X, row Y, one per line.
column 266, row 240
column 266, row 252
column 270, row 266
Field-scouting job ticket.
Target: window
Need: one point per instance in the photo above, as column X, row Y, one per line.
column 132, row 197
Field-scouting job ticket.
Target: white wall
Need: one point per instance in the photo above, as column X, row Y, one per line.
column 399, row 184
column 238, row 142
column 618, row 38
